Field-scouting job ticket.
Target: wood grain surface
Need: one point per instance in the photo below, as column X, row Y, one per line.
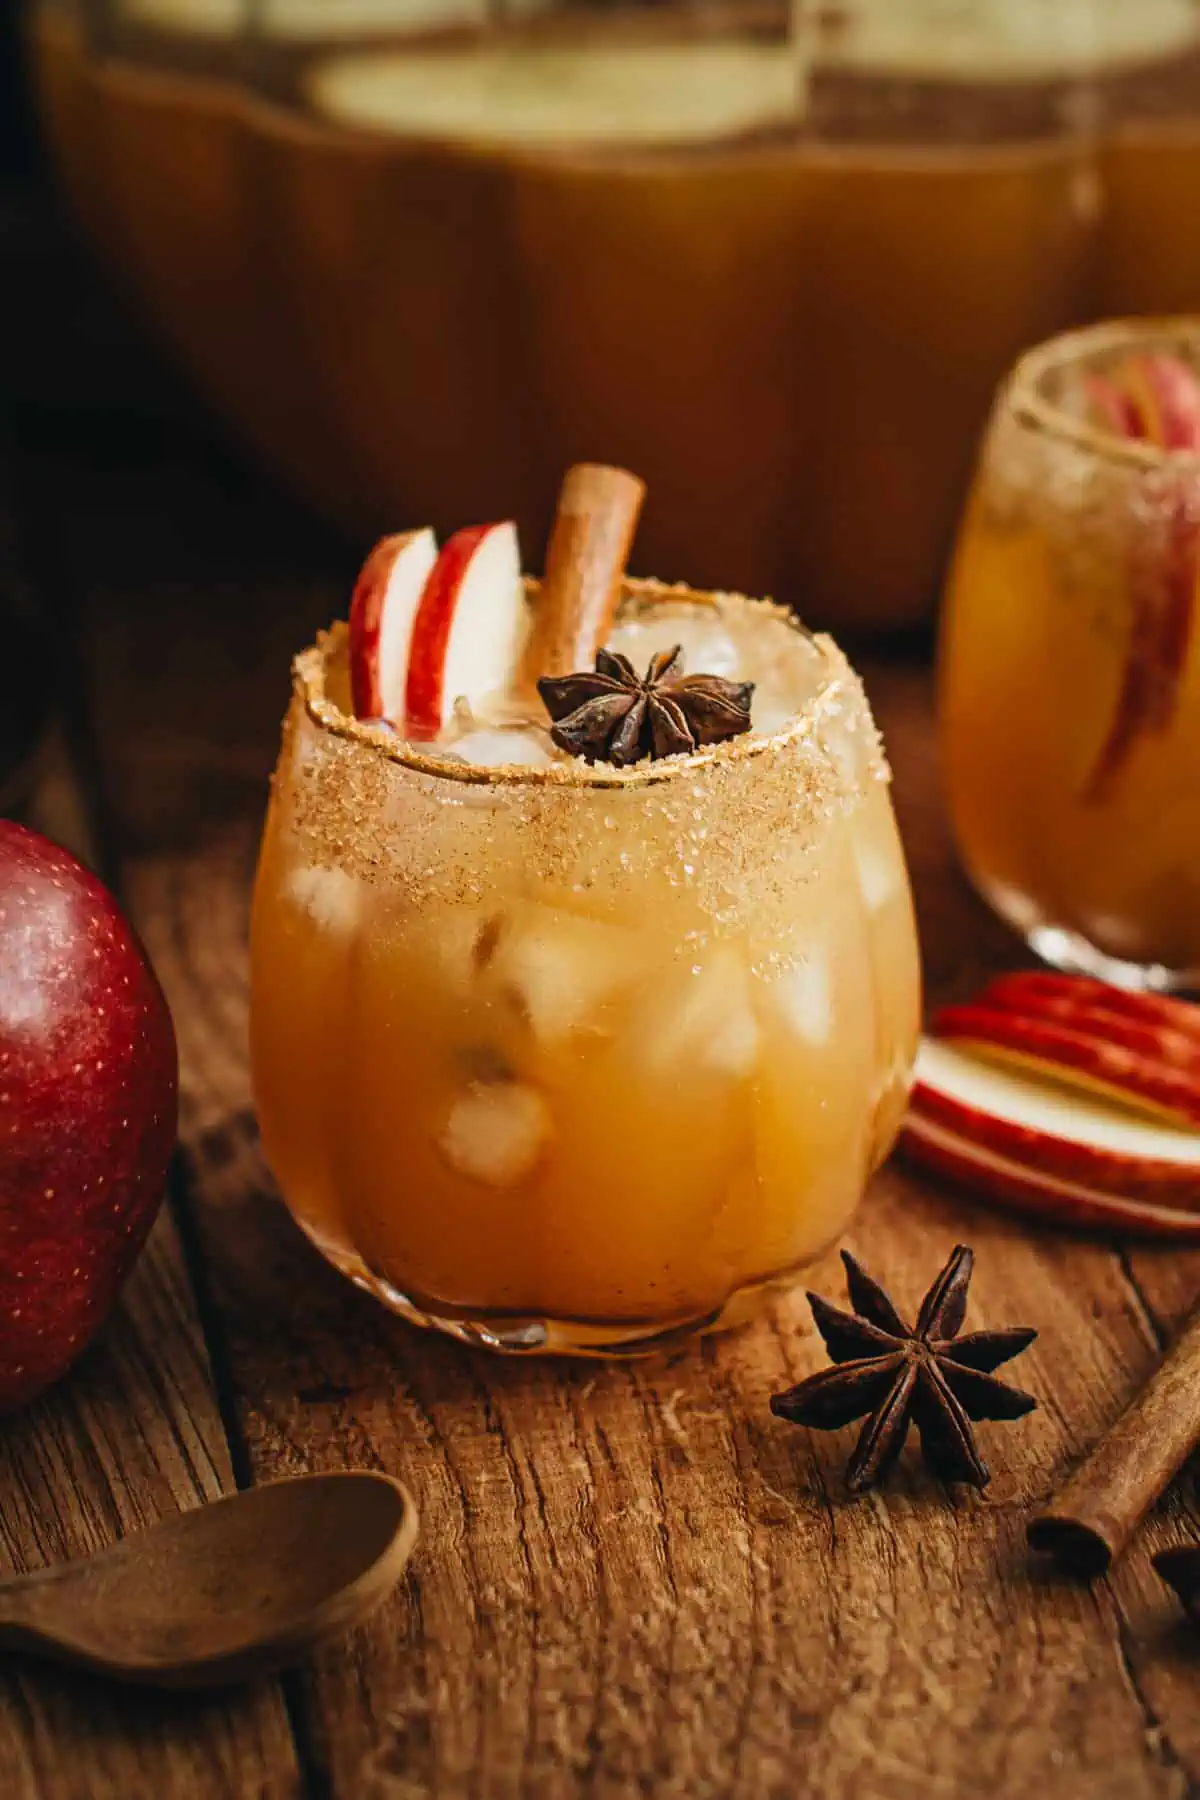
column 632, row 1580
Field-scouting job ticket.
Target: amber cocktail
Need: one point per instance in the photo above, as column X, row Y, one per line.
column 562, row 1056
column 1070, row 679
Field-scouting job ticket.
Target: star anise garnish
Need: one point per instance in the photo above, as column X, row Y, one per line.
column 902, row 1375
column 1181, row 1569
column 611, row 714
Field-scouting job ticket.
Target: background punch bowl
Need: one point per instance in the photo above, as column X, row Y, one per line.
column 421, row 265
column 572, row 1058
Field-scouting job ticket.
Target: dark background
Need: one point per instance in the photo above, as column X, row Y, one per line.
column 84, row 391
column 17, row 153
column 91, row 405
column 23, row 704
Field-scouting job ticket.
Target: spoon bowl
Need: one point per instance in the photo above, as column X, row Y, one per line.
column 230, row 1590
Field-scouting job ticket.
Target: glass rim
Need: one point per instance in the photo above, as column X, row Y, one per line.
column 1022, row 393
column 310, row 667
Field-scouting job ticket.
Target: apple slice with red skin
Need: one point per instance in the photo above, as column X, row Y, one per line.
column 88, row 1075
column 1031, row 1190
column 1161, row 395
column 382, row 610
column 1043, row 993
column 1153, row 398
column 1126, row 1064
column 1112, row 407
column 470, row 623
column 1053, row 1132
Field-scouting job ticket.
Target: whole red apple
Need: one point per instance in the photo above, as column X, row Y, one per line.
column 88, row 1099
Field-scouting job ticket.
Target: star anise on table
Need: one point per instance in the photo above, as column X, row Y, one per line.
column 1181, row 1570
column 901, row 1375
column 611, row 714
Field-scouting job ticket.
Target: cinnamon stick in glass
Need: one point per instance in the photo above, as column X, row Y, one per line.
column 1087, row 1526
column 598, row 510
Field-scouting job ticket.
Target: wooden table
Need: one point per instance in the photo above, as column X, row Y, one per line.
column 631, row 1579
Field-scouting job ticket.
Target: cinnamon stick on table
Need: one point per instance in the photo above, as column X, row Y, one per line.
column 1090, row 1522
column 598, row 510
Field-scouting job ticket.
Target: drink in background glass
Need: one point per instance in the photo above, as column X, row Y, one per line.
column 562, row 1056
column 1070, row 656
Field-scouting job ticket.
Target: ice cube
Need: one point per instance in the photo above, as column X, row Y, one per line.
column 880, row 869
column 732, row 1047
column 492, row 749
column 743, row 642
column 463, row 940
column 772, row 708
column 329, row 896
column 707, row 643
column 803, row 996
column 496, row 1132
column 785, row 666
column 454, row 943
column 561, row 968
column 705, row 1022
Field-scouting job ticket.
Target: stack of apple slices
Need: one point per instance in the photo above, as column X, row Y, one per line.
column 430, row 627
column 1068, row 1099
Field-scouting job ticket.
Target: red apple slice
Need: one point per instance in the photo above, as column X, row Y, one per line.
column 469, row 626
column 1153, row 1029
column 1163, row 396
column 1047, row 994
column 1155, row 399
column 1032, row 1190
column 384, row 605
column 1111, row 407
column 1052, row 1132
column 1163, row 583
column 1127, row 1064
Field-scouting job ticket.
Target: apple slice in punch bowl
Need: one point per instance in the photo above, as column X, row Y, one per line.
column 584, row 977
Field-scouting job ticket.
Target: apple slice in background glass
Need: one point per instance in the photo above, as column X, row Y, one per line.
column 88, row 1098
column 1153, row 398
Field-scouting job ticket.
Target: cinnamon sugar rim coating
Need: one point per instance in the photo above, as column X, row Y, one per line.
column 840, row 687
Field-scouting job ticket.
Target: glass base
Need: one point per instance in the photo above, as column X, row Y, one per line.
column 1076, row 954
column 520, row 1334
column 1068, row 951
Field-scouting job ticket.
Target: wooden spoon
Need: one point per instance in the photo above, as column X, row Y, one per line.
column 226, row 1591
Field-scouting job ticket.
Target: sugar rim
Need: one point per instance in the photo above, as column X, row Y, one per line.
column 310, row 667
column 1022, row 392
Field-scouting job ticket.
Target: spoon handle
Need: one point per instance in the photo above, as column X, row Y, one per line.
column 32, row 1611
column 19, row 1591
column 17, row 1634
column 21, row 1625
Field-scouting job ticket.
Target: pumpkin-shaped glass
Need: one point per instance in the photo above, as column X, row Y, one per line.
column 572, row 1057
